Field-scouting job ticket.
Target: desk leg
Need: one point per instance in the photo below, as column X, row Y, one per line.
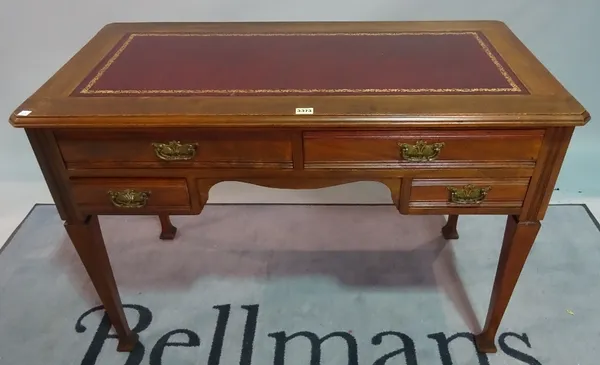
column 449, row 230
column 87, row 238
column 168, row 230
column 518, row 240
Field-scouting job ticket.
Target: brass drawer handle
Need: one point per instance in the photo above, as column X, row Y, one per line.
column 175, row 151
column 421, row 151
column 468, row 194
column 129, row 198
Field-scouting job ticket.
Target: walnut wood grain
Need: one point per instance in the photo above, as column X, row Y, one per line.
column 42, row 148
column 518, row 240
column 436, row 190
column 429, row 196
column 436, row 208
column 165, row 195
column 134, row 149
column 486, row 148
column 405, row 192
column 449, row 230
column 335, row 171
column 546, row 173
column 88, row 146
column 87, row 239
column 548, row 103
column 168, row 230
column 298, row 149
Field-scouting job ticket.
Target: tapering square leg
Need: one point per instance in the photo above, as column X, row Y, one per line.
column 87, row 238
column 518, row 240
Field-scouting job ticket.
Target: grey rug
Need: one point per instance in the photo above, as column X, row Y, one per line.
column 301, row 285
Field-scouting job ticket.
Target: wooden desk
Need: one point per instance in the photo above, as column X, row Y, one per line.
column 453, row 117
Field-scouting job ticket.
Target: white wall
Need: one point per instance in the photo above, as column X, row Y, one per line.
column 37, row 37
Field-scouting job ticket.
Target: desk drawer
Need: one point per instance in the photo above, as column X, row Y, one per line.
column 467, row 193
column 427, row 149
column 181, row 148
column 131, row 196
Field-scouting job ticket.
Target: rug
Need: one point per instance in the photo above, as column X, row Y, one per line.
column 301, row 285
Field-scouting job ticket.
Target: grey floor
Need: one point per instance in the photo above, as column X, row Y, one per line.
column 242, row 284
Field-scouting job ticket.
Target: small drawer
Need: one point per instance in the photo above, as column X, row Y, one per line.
column 131, row 196
column 175, row 148
column 467, row 193
column 422, row 149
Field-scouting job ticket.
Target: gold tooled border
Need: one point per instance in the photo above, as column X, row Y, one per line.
column 88, row 88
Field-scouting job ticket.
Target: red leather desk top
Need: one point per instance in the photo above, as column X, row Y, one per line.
column 449, row 74
column 180, row 64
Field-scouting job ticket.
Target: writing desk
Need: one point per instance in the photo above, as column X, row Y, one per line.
column 453, row 117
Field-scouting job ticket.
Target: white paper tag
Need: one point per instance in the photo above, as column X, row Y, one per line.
column 304, row 110
column 24, row 113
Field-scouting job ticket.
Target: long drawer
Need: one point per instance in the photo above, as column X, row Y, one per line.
column 427, row 149
column 175, row 148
